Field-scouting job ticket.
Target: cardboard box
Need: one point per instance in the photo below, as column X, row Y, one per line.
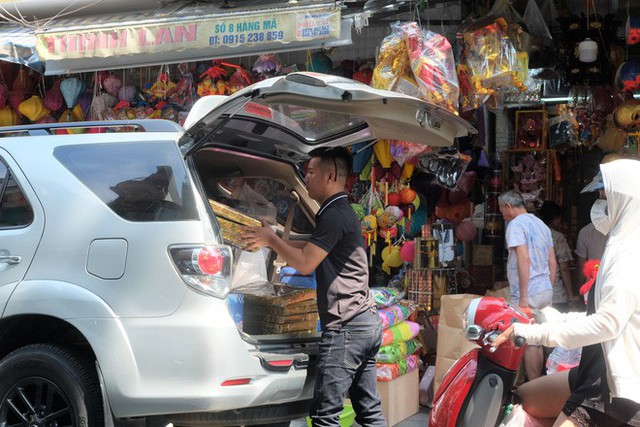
column 482, row 255
column 400, row 397
column 452, row 343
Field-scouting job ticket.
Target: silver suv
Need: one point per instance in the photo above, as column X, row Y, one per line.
column 118, row 292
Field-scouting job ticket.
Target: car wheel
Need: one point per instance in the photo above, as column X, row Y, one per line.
column 45, row 385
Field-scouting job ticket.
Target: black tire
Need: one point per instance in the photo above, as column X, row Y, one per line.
column 45, row 385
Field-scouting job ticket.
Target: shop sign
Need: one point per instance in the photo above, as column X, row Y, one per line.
column 211, row 33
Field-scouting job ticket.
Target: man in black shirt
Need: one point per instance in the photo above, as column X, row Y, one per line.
column 351, row 328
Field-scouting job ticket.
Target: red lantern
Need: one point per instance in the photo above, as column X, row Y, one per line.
column 407, row 195
column 393, row 199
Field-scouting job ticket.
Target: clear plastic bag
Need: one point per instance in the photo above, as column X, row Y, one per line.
column 562, row 359
column 420, row 63
column 433, row 66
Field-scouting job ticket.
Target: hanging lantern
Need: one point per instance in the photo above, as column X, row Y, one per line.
column 71, row 89
column 588, row 50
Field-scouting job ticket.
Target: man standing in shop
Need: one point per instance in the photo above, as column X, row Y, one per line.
column 530, row 265
column 590, row 243
column 351, row 328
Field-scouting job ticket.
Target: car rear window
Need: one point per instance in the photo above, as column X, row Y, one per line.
column 144, row 182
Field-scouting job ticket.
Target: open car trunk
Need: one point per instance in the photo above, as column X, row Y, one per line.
column 244, row 148
column 245, row 189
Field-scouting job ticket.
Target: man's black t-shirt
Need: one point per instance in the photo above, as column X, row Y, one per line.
column 343, row 276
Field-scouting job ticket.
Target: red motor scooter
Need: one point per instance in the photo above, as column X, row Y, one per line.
column 477, row 388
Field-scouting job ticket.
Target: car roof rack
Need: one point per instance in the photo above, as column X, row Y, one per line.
column 147, row 125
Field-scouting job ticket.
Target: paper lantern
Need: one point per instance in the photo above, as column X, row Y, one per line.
column 391, row 256
column 382, row 150
column 3, row 94
column 407, row 195
column 407, row 251
column 363, row 75
column 71, row 89
column 396, row 169
column 393, row 199
column 395, row 212
column 23, row 81
column 33, row 108
column 416, row 202
column 358, row 209
column 361, row 155
column 100, row 105
column 53, row 99
column 390, row 232
column 466, row 231
column 16, row 97
column 84, row 101
column 127, row 93
column 588, row 50
column 454, row 213
column 8, row 71
column 8, row 116
column 628, row 76
column 632, row 29
column 112, row 84
column 407, row 170
column 46, row 119
column 369, row 223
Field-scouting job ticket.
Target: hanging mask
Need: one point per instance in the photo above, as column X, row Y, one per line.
column 599, row 216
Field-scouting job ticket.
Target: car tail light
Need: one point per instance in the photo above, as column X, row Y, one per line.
column 238, row 381
column 204, row 268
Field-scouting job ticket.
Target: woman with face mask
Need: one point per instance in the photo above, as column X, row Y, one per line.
column 604, row 389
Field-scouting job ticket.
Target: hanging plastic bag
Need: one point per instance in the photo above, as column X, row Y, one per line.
column 494, row 56
column 393, row 62
column 433, row 66
column 536, row 26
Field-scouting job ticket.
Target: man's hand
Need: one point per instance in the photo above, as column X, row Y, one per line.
column 503, row 337
column 256, row 237
column 523, row 302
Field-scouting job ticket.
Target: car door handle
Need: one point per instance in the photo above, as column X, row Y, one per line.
column 10, row 259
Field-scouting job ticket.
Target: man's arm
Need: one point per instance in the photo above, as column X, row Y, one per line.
column 565, row 273
column 580, row 267
column 524, row 266
column 553, row 266
column 303, row 256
